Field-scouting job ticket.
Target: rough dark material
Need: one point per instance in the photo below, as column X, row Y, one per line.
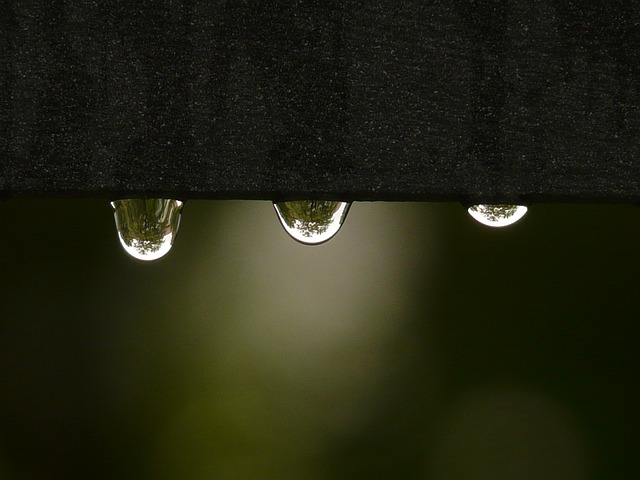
column 344, row 99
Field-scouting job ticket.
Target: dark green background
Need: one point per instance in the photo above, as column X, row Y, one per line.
column 466, row 353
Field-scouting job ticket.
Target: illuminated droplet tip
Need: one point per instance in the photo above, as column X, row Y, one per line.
column 312, row 222
column 140, row 251
column 147, row 227
column 497, row 216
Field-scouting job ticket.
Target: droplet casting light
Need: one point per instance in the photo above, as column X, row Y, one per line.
column 312, row 222
column 147, row 227
column 497, row 215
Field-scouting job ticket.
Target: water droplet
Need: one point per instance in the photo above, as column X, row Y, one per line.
column 312, row 222
column 497, row 215
column 147, row 227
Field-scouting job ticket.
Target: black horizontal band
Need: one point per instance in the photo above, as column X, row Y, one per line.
column 355, row 100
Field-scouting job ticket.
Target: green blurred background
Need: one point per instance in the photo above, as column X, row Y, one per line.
column 417, row 344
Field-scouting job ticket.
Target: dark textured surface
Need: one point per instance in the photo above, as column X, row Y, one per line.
column 377, row 100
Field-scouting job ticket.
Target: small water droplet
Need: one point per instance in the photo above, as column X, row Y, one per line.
column 497, row 215
column 312, row 222
column 147, row 227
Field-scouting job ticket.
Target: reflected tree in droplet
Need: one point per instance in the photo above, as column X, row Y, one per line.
column 147, row 227
column 497, row 215
column 312, row 221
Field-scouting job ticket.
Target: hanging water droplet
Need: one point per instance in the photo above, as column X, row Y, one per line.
column 147, row 227
column 312, row 222
column 497, row 215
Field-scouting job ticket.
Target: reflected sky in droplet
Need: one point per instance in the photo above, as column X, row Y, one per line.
column 147, row 227
column 497, row 215
column 312, row 222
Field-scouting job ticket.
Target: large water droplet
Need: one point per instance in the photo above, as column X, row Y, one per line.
column 312, row 222
column 497, row 215
column 147, row 227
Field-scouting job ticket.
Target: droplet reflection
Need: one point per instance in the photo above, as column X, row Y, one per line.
column 312, row 222
column 147, row 227
column 497, row 215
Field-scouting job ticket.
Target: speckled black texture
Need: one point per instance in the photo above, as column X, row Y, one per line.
column 368, row 100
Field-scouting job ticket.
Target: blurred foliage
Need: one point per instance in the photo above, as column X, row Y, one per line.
column 415, row 345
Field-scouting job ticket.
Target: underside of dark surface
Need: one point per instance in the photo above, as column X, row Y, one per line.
column 503, row 101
